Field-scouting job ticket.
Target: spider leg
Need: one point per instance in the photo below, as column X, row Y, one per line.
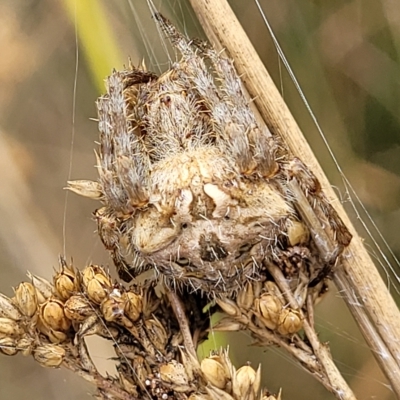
column 111, row 234
column 120, row 161
column 252, row 148
column 330, row 234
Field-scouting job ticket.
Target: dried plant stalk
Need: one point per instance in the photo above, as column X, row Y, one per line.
column 379, row 320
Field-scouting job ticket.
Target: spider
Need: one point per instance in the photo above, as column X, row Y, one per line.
column 194, row 187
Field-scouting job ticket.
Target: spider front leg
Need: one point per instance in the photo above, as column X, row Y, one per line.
column 252, row 144
column 330, row 234
column 112, row 234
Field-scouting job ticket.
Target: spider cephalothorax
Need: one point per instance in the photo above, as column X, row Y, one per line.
column 191, row 184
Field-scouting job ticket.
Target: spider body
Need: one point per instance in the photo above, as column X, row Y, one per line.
column 193, row 186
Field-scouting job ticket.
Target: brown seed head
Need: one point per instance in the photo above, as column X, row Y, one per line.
column 133, row 305
column 8, row 309
column 290, row 322
column 25, row 345
column 96, row 282
column 229, row 307
column 49, row 355
column 55, row 337
column 113, row 307
column 44, row 288
column 268, row 310
column 156, row 333
column 10, row 328
column 174, row 373
column 78, row 308
column 8, row 346
column 246, row 383
column 228, row 324
column 271, row 288
column 66, row 282
column 245, row 297
column 215, row 371
column 86, row 188
column 51, row 314
column 26, row 298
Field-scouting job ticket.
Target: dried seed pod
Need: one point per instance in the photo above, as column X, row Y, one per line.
column 157, row 333
column 10, row 328
column 245, row 297
column 55, row 337
column 271, row 288
column 51, row 314
column 228, row 324
column 268, row 310
column 96, row 282
column 151, row 302
column 257, row 288
column 25, row 345
column 113, row 307
column 49, row 355
column 44, row 288
column 174, row 374
column 191, row 363
column 215, row 371
column 78, row 308
column 86, row 188
column 133, row 305
column 8, row 346
column 26, row 298
column 290, row 322
column 66, row 281
column 246, row 383
column 8, row 309
column 229, row 307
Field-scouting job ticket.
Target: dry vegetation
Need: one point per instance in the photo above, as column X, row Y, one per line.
column 346, row 55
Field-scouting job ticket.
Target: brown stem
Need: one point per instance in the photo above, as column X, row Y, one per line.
column 180, row 314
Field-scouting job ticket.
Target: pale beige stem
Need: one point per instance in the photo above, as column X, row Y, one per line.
column 358, row 271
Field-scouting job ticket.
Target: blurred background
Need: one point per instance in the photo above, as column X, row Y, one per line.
column 54, row 56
